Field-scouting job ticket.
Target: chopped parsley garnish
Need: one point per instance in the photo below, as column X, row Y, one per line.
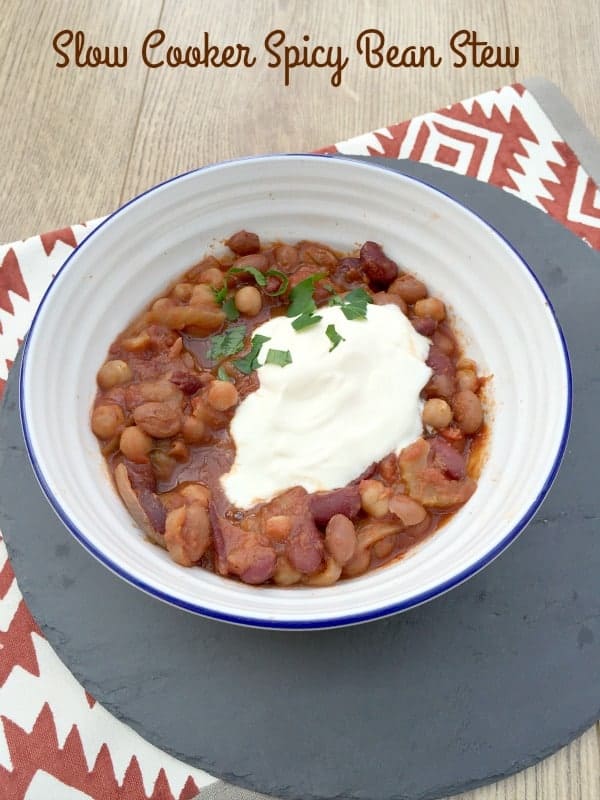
column 283, row 285
column 223, row 375
column 256, row 274
column 334, row 337
column 230, row 310
column 249, row 362
column 220, row 294
column 305, row 321
column 301, row 296
column 279, row 357
column 227, row 343
column 354, row 304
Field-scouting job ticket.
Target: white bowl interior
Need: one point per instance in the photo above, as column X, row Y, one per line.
column 505, row 319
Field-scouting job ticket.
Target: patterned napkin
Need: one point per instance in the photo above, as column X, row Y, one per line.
column 55, row 740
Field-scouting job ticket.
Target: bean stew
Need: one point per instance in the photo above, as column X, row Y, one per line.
column 172, row 381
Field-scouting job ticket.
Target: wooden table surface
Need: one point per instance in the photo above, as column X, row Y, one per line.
column 78, row 142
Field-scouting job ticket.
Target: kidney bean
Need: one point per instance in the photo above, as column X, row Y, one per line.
column 448, row 458
column 324, row 505
column 379, row 269
column 349, row 273
column 243, row 243
column 424, row 325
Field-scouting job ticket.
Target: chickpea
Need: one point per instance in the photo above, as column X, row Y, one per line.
column 340, row 538
column 467, row 411
column 107, row 420
column 222, row 395
column 203, row 296
column 193, row 430
column 278, row 527
column 248, row 300
column 407, row 510
column 135, row 444
column 467, row 379
column 113, row 373
column 374, row 497
column 430, row 307
column 183, row 291
column 213, row 277
column 437, row 413
column 409, row 288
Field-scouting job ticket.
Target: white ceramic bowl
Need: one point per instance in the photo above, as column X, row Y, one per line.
column 507, row 322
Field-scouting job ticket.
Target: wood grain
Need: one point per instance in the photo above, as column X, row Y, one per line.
column 76, row 142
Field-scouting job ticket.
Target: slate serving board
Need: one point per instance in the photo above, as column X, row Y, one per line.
column 462, row 691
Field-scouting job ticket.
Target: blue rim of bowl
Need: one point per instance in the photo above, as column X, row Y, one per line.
column 334, row 622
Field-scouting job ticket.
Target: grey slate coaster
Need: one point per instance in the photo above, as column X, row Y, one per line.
column 473, row 686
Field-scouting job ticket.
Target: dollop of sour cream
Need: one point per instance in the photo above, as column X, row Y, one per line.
column 320, row 421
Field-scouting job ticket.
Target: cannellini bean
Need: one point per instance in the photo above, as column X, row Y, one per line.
column 374, row 497
column 135, row 444
column 468, row 412
column 407, row 510
column 409, row 288
column 437, row 413
column 374, row 531
column 340, row 538
column 359, row 563
column 107, row 420
column 327, row 577
column 248, row 300
column 187, row 533
column 430, row 307
column 384, row 547
column 113, row 373
column 222, row 395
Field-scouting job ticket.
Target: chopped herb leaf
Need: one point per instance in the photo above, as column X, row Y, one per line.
column 305, row 321
column 220, row 294
column 256, row 274
column 334, row 337
column 284, row 282
column 279, row 357
column 227, row 344
column 329, row 287
column 301, row 296
column 223, row 375
column 354, row 304
column 249, row 362
column 230, row 309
